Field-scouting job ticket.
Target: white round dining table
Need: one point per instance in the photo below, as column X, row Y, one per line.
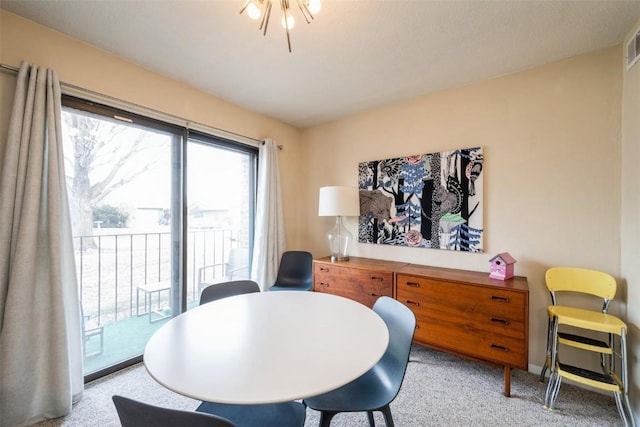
column 266, row 347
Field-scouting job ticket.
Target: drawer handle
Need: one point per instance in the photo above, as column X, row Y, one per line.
column 324, row 269
column 417, row 304
column 375, row 295
column 498, row 320
column 413, row 284
column 499, row 347
column 379, row 279
column 498, row 298
column 324, row 284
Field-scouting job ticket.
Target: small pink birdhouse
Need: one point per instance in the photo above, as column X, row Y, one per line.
column 502, row 266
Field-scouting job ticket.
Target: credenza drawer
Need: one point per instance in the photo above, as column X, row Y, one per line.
column 461, row 336
column 362, row 285
column 494, row 310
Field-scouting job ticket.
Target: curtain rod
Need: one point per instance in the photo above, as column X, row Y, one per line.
column 188, row 123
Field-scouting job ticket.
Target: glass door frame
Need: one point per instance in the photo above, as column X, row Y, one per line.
column 179, row 223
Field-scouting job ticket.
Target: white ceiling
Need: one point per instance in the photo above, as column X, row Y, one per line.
column 355, row 55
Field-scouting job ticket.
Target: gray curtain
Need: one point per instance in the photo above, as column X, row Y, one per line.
column 269, row 237
column 40, row 322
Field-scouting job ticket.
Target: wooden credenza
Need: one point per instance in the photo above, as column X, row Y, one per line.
column 360, row 279
column 469, row 314
column 457, row 311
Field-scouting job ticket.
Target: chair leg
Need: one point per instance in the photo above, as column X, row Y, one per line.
column 621, row 409
column 325, row 418
column 624, row 396
column 554, row 379
column 544, row 369
column 388, row 419
column 547, row 361
column 629, row 411
column 552, row 390
column 372, row 421
column 607, row 362
column 624, row 409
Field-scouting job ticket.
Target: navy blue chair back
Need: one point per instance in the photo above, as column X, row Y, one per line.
column 227, row 289
column 284, row 414
column 401, row 323
column 133, row 413
column 379, row 386
column 295, row 272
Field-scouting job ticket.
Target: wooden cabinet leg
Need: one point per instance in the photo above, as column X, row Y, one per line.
column 507, row 381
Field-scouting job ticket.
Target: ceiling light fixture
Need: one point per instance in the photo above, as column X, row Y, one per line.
column 261, row 9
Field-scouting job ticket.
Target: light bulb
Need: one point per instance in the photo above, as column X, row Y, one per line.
column 253, row 11
column 290, row 22
column 314, row 6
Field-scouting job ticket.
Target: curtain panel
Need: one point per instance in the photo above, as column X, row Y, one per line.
column 269, row 238
column 40, row 320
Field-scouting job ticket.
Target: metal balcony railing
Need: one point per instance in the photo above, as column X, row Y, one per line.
column 111, row 266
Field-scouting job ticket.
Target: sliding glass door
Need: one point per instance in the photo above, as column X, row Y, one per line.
column 156, row 215
column 220, row 196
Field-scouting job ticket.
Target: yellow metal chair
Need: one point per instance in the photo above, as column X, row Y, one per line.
column 577, row 281
column 612, row 352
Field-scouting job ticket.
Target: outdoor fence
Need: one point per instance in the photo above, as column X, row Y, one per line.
column 112, row 266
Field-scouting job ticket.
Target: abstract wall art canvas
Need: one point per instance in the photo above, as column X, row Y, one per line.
column 425, row 201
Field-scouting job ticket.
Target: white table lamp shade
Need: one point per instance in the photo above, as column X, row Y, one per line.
column 339, row 201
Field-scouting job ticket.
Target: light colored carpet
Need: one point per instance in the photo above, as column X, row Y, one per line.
column 439, row 390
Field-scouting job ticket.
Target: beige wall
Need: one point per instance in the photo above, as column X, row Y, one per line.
column 631, row 212
column 551, row 138
column 82, row 65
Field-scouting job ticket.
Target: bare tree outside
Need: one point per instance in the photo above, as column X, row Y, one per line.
column 102, row 158
column 119, row 184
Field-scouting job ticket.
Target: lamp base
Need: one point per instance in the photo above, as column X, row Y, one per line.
column 339, row 239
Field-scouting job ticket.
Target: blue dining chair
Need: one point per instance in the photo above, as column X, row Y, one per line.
column 379, row 386
column 286, row 414
column 227, row 289
column 295, row 272
column 133, row 413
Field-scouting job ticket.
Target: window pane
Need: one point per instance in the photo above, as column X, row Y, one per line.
column 220, row 187
column 119, row 179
